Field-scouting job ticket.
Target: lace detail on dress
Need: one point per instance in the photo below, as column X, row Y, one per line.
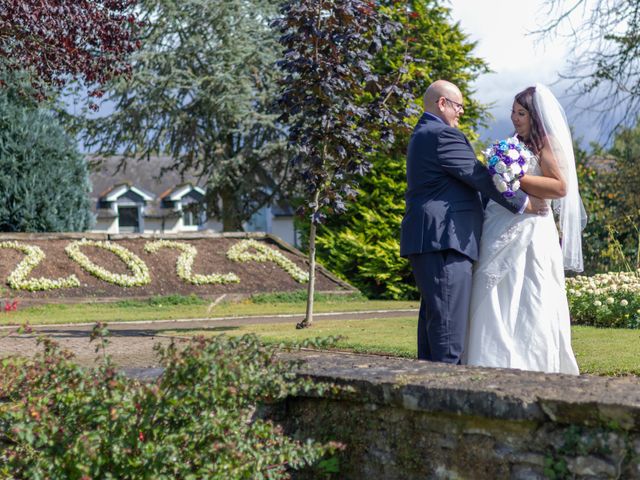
column 508, row 235
column 534, row 166
column 492, row 278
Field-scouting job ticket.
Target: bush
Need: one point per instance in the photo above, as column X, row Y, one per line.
column 362, row 246
column 44, row 182
column 605, row 300
column 61, row 421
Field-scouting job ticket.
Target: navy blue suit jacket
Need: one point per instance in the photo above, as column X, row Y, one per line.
column 445, row 186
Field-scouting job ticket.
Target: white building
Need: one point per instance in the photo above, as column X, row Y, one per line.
column 137, row 199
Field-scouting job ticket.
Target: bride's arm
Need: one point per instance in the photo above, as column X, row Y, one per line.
column 552, row 184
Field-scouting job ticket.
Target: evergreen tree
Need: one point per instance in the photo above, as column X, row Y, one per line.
column 363, row 244
column 44, row 183
column 200, row 91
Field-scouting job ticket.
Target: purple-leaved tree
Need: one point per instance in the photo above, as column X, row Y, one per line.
column 50, row 42
column 338, row 110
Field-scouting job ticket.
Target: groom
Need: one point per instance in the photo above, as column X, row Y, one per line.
column 443, row 221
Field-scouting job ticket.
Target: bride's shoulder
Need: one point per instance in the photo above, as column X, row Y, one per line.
column 551, row 155
column 548, row 141
column 551, row 143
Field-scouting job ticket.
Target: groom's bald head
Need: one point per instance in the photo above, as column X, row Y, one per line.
column 444, row 100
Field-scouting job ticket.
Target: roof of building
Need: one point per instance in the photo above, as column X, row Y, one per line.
column 152, row 180
column 143, row 175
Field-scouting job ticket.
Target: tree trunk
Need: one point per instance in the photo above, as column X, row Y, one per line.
column 231, row 221
column 638, row 252
column 308, row 320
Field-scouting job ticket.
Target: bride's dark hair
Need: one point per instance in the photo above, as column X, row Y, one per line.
column 536, row 135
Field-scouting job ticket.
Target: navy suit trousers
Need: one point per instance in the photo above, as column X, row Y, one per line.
column 444, row 281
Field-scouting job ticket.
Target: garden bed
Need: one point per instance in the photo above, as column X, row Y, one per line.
column 251, row 276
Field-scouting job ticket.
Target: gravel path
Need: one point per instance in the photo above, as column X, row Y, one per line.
column 132, row 342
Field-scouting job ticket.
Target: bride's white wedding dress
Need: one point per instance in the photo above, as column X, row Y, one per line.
column 519, row 316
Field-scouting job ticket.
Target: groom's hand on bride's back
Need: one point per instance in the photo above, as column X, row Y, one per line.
column 537, row 206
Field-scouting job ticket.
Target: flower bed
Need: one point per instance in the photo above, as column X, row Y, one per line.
column 605, row 300
column 63, row 266
column 184, row 264
column 134, row 263
column 34, row 255
column 240, row 252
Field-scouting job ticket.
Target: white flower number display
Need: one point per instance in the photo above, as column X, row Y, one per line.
column 243, row 251
column 184, row 264
column 134, row 263
column 34, row 255
column 240, row 252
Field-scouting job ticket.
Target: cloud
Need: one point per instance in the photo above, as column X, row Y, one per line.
column 503, row 32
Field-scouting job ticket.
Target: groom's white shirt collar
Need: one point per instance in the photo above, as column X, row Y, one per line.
column 433, row 117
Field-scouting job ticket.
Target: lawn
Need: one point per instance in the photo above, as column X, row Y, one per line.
column 599, row 351
column 183, row 307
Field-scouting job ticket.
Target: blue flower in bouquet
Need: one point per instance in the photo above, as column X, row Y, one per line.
column 508, row 161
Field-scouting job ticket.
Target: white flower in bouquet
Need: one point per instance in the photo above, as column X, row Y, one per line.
column 513, row 154
column 516, row 169
column 500, row 167
column 500, row 184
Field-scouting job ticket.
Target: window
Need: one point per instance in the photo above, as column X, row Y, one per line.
column 128, row 219
column 191, row 218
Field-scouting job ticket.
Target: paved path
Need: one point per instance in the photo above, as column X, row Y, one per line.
column 132, row 342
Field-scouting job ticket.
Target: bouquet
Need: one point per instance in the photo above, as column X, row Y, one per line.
column 508, row 161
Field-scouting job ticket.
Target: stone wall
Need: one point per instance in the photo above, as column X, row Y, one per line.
column 405, row 419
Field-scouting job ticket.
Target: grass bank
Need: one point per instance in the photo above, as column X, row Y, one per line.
column 184, row 307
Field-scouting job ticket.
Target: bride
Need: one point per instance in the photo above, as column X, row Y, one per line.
column 519, row 316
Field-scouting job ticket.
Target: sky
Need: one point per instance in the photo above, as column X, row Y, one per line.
column 518, row 59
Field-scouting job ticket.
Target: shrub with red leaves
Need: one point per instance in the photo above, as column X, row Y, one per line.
column 10, row 306
column 55, row 41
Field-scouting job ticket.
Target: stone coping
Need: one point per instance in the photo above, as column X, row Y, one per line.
column 459, row 390
column 506, row 394
column 124, row 236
